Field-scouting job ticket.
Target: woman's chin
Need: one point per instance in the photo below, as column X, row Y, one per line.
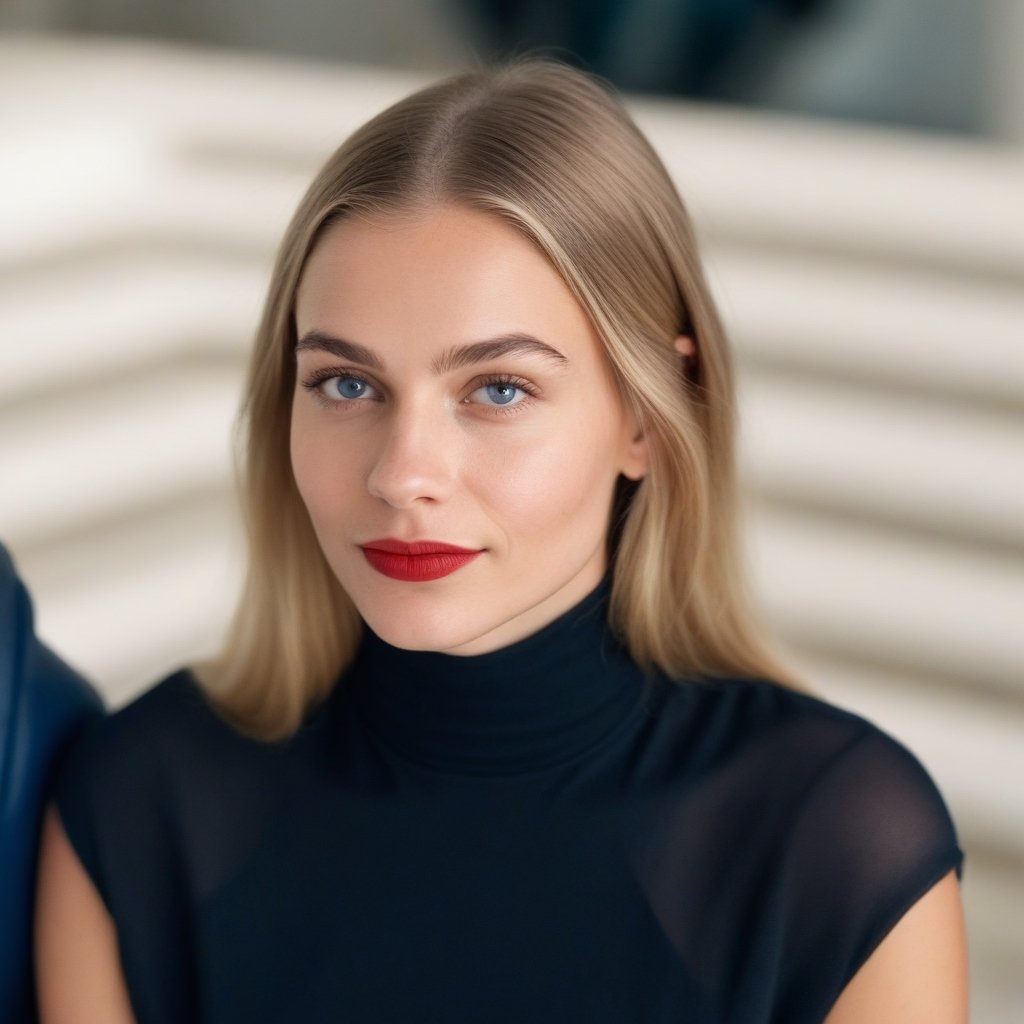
column 421, row 628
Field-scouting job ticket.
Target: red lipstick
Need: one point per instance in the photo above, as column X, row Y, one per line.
column 416, row 561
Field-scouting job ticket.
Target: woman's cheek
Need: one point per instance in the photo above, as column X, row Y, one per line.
column 326, row 481
column 546, row 488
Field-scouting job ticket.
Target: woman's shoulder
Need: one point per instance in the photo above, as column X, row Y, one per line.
column 153, row 717
column 742, row 710
column 133, row 784
column 825, row 822
column 168, row 731
column 795, row 746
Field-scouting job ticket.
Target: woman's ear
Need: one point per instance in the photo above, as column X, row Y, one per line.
column 685, row 346
column 636, row 460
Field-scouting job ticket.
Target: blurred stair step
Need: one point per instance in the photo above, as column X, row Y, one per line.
column 877, row 599
column 94, row 455
column 871, row 326
column 912, row 461
column 89, row 321
column 140, row 598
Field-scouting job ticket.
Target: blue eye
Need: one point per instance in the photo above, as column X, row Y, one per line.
column 346, row 387
column 501, row 393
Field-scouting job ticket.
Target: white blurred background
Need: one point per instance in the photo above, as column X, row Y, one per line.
column 856, row 172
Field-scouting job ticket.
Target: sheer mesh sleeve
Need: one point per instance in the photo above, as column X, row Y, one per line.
column 791, row 839
column 872, row 836
column 112, row 803
column 74, row 794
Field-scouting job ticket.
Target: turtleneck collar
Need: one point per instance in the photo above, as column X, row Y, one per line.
column 535, row 703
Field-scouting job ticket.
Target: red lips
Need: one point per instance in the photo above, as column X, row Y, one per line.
column 416, row 561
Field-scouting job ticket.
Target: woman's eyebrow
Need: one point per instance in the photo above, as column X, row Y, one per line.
column 515, row 343
column 339, row 347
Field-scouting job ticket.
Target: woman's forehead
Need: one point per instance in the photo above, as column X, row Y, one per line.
column 445, row 277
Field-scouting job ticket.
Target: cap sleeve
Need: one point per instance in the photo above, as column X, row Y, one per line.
column 85, row 794
column 872, row 836
column 114, row 804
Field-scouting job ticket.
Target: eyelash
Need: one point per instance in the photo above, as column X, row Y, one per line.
column 314, row 379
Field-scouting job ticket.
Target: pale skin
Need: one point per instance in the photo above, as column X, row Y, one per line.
column 408, row 292
column 416, row 417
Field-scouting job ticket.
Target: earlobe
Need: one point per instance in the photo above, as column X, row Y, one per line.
column 637, row 461
column 685, row 346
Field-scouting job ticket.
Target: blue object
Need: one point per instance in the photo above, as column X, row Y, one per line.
column 42, row 702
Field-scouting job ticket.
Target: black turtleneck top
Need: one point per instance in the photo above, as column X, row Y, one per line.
column 539, row 834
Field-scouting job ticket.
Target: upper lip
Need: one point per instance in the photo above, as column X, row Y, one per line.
column 417, row 547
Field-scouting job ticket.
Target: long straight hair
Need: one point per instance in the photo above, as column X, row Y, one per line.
column 552, row 151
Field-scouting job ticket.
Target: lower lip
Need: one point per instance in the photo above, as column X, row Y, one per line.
column 418, row 568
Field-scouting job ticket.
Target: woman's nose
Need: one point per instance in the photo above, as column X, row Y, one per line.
column 415, row 460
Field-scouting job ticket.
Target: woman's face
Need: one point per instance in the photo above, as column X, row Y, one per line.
column 451, row 389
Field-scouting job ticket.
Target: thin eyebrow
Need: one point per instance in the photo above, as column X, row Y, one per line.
column 516, row 343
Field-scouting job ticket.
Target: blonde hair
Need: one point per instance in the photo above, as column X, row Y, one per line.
column 553, row 152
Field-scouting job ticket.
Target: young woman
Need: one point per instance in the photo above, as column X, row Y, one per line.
column 495, row 737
